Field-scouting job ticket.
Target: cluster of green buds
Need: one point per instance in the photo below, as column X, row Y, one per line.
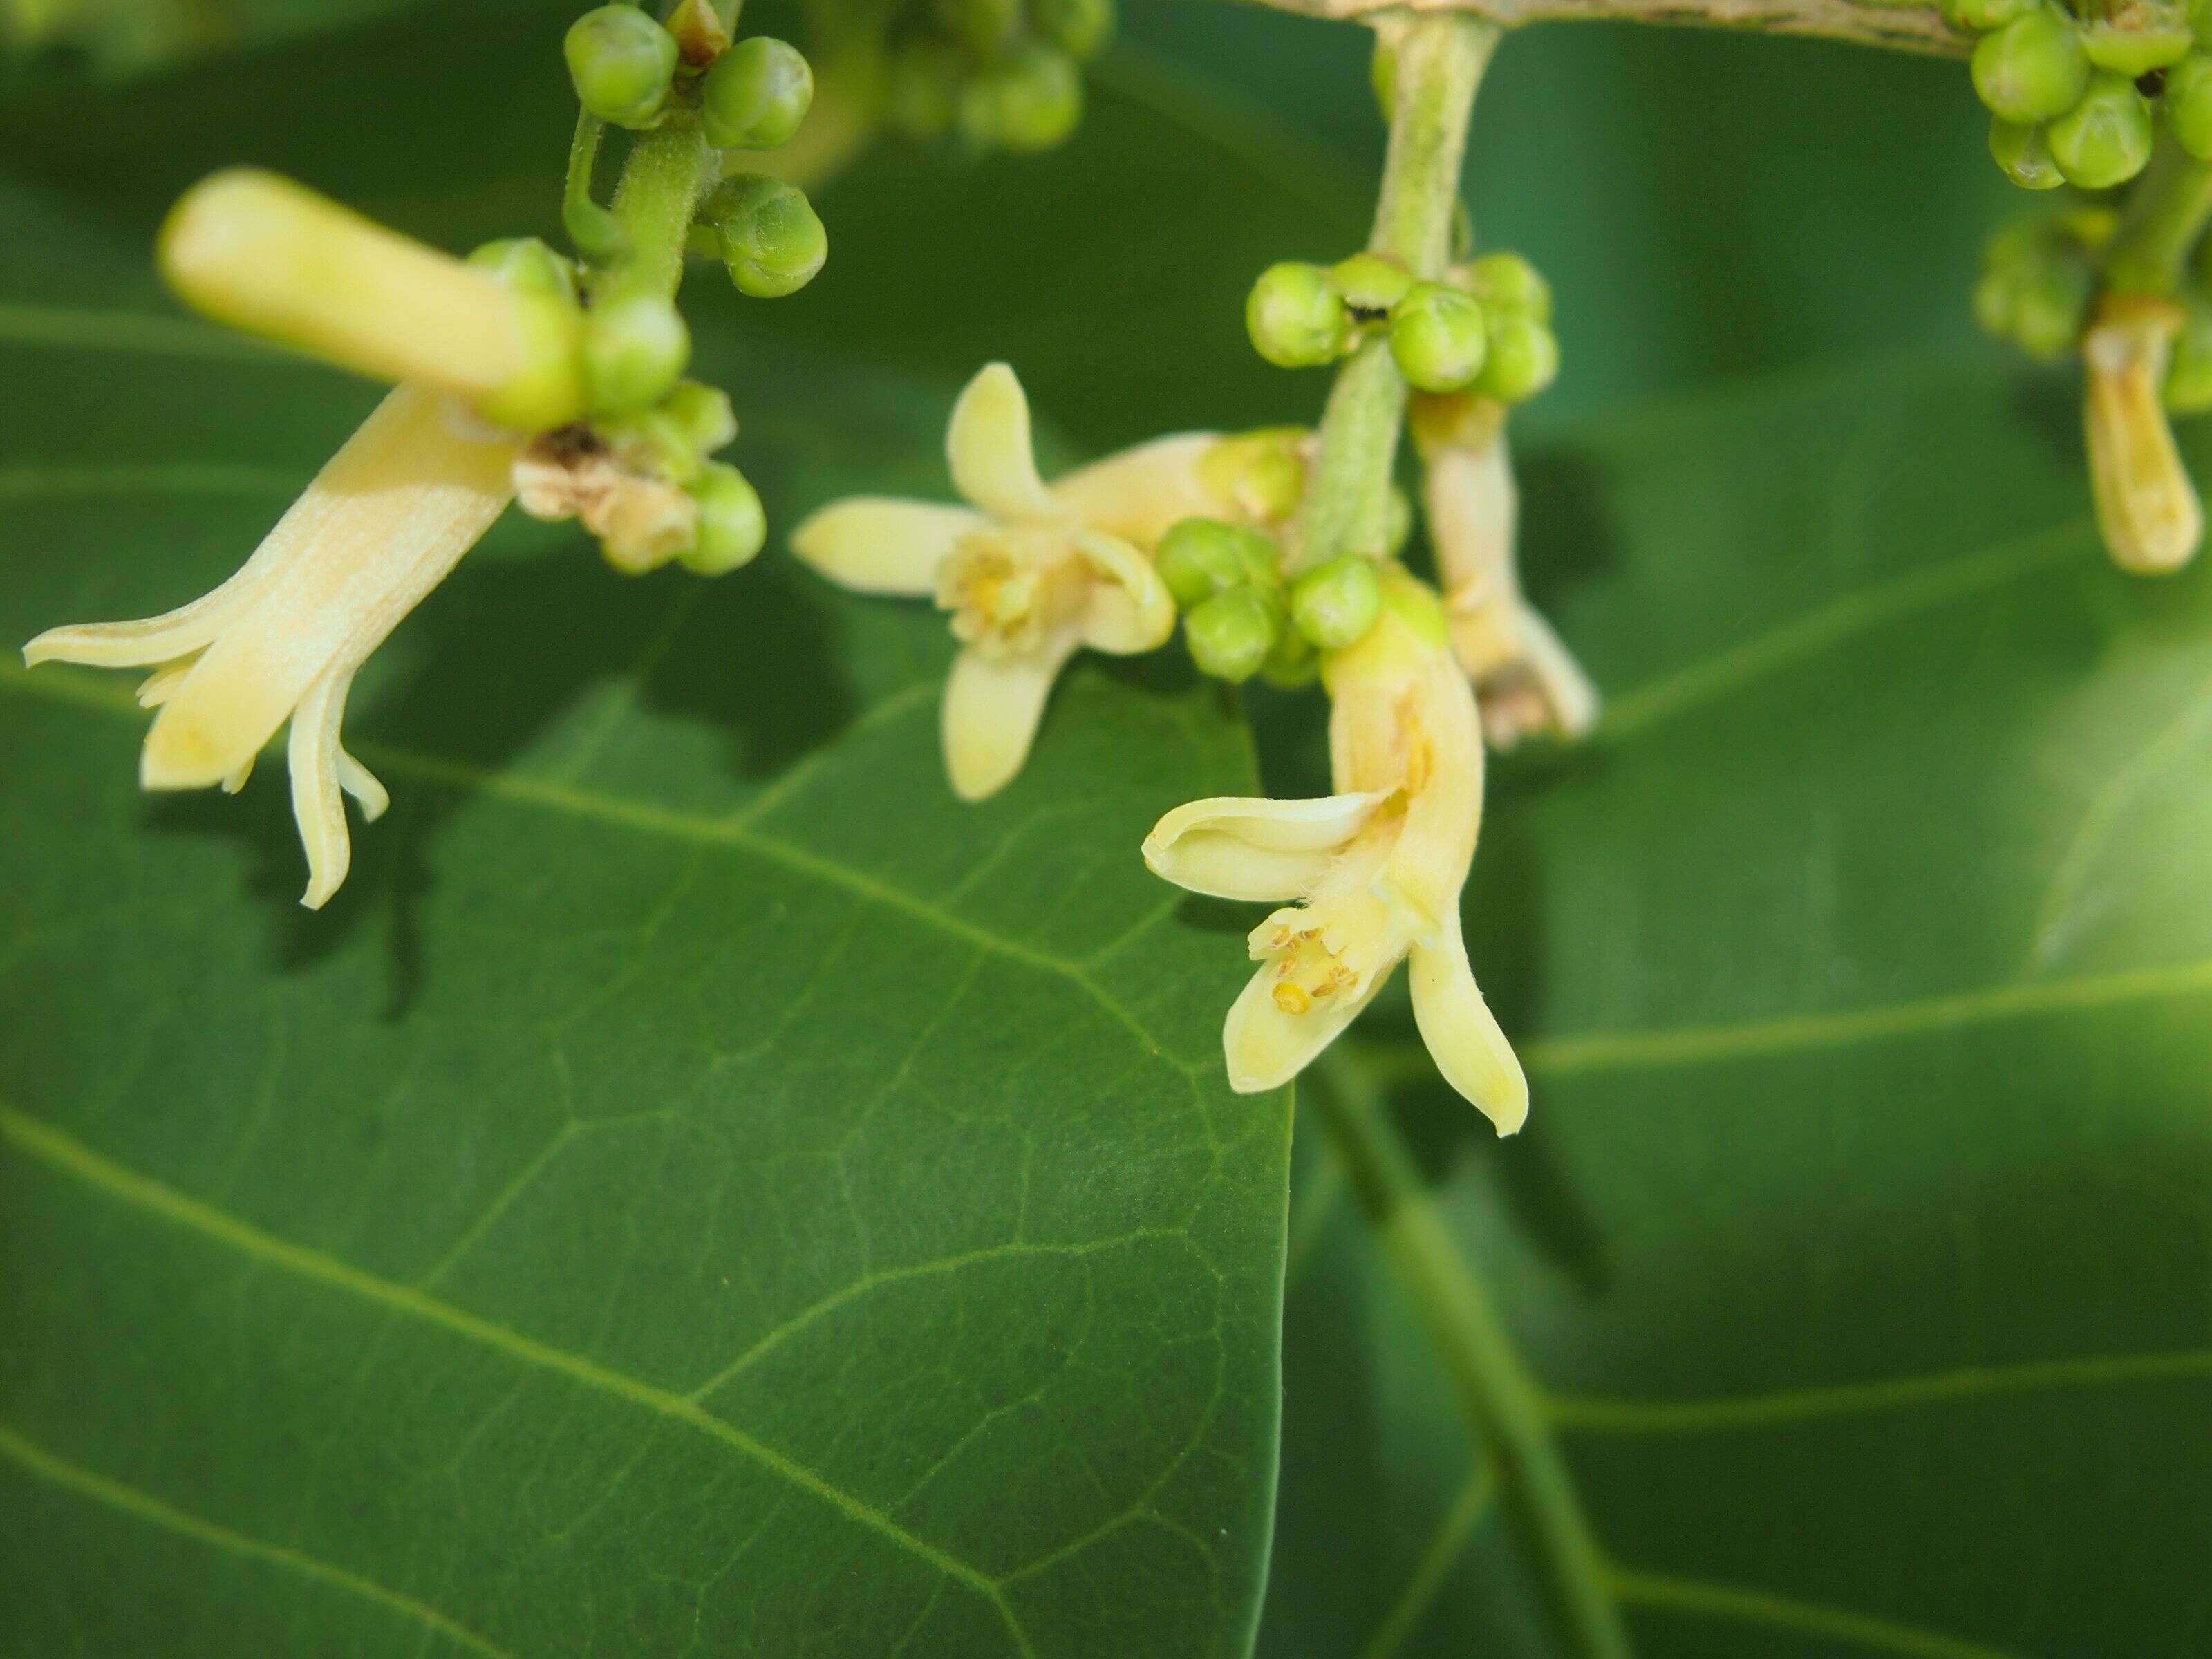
column 2076, row 93
column 995, row 74
column 1486, row 327
column 2039, row 275
column 1246, row 608
column 631, row 70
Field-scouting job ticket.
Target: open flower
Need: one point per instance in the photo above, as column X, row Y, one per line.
column 1028, row 573
column 1367, row 877
column 1526, row 679
column 383, row 523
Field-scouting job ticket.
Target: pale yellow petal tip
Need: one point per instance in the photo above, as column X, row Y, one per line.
column 988, row 445
column 881, row 545
column 180, row 758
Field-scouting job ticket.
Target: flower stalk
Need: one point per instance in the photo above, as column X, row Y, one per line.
column 1441, row 57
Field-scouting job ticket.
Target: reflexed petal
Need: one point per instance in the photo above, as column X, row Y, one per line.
column 410, row 498
column 1266, row 1047
column 992, row 706
column 875, row 544
column 316, row 806
column 988, row 445
column 1128, row 610
column 361, row 783
column 1249, row 848
column 1139, row 493
column 1462, row 1034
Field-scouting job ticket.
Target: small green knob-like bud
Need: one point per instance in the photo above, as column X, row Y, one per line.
column 2050, row 306
column 1995, row 295
column 2134, row 51
column 2033, row 69
column 1523, row 360
column 1296, row 316
column 732, row 525
column 1078, row 27
column 2105, row 139
column 2189, row 104
column 2188, row 389
column 2025, row 154
column 634, row 350
column 919, row 89
column 1438, row 338
column 1506, row 282
column 704, row 415
column 622, row 62
column 528, row 266
column 1031, row 102
column 1335, row 603
column 1371, row 284
column 984, row 27
column 1981, row 16
column 1200, row 558
column 1292, row 663
column 756, row 96
column 1232, row 634
column 771, row 238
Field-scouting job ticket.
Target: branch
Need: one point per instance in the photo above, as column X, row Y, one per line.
column 1900, row 26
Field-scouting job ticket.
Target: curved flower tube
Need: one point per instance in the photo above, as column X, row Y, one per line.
column 1527, row 680
column 1028, row 573
column 1371, row 875
column 383, row 523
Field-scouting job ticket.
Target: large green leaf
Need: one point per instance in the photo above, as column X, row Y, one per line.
column 698, row 1189
column 1861, row 967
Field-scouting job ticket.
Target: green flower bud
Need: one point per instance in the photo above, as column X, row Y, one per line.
column 1506, row 282
column 1995, row 296
column 1980, row 16
column 1335, row 603
column 1262, row 475
column 1439, row 339
column 634, row 349
column 2050, row 306
column 2189, row 104
column 984, row 27
column 622, row 62
column 1078, row 27
column 2024, row 155
column 756, row 96
column 1200, row 558
column 2105, row 138
column 1295, row 317
column 2032, row 68
column 2188, row 388
column 704, row 414
column 527, row 265
column 920, row 89
column 1371, row 284
column 1232, row 633
column 1031, row 102
column 733, row 526
column 2134, row 51
column 771, row 239
column 1523, row 360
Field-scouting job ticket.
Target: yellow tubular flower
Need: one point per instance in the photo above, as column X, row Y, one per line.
column 1372, row 873
column 1526, row 679
column 1028, row 573
column 2147, row 506
column 383, row 523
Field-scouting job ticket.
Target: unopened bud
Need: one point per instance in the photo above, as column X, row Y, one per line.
column 2147, row 506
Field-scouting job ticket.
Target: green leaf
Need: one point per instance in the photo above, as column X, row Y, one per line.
column 698, row 1189
column 1861, row 967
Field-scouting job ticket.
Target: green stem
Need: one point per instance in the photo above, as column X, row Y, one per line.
column 2166, row 214
column 1440, row 58
column 1499, row 1397
column 667, row 171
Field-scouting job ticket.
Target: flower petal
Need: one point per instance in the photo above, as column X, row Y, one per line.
column 316, row 807
column 1139, row 493
column 875, row 544
column 994, row 464
column 1461, row 1033
column 409, row 498
column 1129, row 609
column 1266, row 1047
column 1249, row 848
column 991, row 708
